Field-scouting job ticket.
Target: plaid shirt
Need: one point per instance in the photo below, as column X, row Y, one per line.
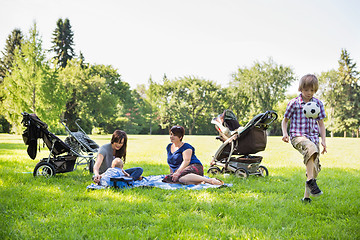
column 301, row 125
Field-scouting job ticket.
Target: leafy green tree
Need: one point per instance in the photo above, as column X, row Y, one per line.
column 82, row 60
column 239, row 102
column 149, row 95
column 13, row 42
column 280, row 109
column 137, row 114
column 163, row 102
column 23, row 85
column 329, row 90
column 83, row 95
column 97, row 95
column 347, row 96
column 187, row 101
column 6, row 62
column 144, row 100
column 198, row 102
column 63, row 42
column 260, row 87
column 122, row 99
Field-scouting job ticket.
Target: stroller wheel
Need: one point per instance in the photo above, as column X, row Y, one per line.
column 44, row 169
column 91, row 165
column 241, row 173
column 214, row 171
column 263, row 171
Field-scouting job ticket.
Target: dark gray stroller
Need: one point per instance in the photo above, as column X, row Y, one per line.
column 62, row 158
column 81, row 143
column 233, row 156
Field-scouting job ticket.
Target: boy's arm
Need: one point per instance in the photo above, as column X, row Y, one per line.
column 284, row 125
column 322, row 135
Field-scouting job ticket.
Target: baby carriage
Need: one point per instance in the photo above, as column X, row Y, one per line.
column 62, row 158
column 233, row 156
column 81, row 143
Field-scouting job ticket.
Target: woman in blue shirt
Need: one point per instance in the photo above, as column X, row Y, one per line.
column 185, row 167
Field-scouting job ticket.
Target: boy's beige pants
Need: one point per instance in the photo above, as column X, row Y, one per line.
column 307, row 148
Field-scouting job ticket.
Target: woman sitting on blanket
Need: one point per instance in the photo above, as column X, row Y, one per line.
column 185, row 167
column 110, row 151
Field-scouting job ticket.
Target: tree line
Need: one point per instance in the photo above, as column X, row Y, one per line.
column 56, row 84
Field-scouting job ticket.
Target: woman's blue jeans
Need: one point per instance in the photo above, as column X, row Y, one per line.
column 135, row 172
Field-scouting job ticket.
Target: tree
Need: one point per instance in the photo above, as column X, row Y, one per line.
column 187, row 101
column 149, row 95
column 329, row 90
column 347, row 96
column 13, row 42
column 80, row 88
column 6, row 62
column 24, row 83
column 145, row 102
column 122, row 99
column 238, row 101
column 137, row 114
column 63, row 42
column 97, row 95
column 261, row 87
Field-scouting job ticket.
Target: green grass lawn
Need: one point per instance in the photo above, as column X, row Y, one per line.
column 255, row 208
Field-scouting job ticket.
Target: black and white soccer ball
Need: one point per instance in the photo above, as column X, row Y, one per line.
column 311, row 110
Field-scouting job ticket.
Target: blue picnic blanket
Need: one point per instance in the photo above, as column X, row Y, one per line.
column 156, row 181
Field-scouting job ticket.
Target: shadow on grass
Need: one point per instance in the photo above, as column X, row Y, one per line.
column 10, row 148
column 258, row 207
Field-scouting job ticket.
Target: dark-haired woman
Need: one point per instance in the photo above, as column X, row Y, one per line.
column 109, row 151
column 185, row 167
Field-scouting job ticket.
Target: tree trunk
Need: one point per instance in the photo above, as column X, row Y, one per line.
column 33, row 100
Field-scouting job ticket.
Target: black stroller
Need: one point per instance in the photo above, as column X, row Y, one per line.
column 62, row 157
column 81, row 143
column 233, row 156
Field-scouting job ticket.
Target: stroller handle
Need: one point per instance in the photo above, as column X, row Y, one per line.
column 270, row 115
column 82, row 130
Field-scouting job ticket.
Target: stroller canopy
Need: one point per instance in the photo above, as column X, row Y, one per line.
column 36, row 129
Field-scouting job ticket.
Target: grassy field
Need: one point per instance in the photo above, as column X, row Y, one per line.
column 255, row 208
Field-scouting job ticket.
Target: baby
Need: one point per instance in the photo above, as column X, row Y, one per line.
column 116, row 170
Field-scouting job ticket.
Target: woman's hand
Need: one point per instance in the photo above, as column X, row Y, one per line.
column 97, row 178
column 97, row 165
column 175, row 176
column 186, row 161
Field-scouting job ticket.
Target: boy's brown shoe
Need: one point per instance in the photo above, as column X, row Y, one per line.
column 306, row 200
column 313, row 188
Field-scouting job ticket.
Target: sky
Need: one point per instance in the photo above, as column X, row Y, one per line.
column 208, row 39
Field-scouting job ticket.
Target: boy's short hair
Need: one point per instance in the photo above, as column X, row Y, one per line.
column 117, row 162
column 309, row 81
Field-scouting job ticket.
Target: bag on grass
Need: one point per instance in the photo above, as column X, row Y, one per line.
column 121, row 182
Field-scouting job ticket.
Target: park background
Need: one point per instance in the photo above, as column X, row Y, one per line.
column 145, row 66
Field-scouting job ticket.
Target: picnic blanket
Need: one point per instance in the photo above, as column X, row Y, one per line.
column 156, row 181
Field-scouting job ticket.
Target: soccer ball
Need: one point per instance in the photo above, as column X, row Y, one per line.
column 311, row 110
